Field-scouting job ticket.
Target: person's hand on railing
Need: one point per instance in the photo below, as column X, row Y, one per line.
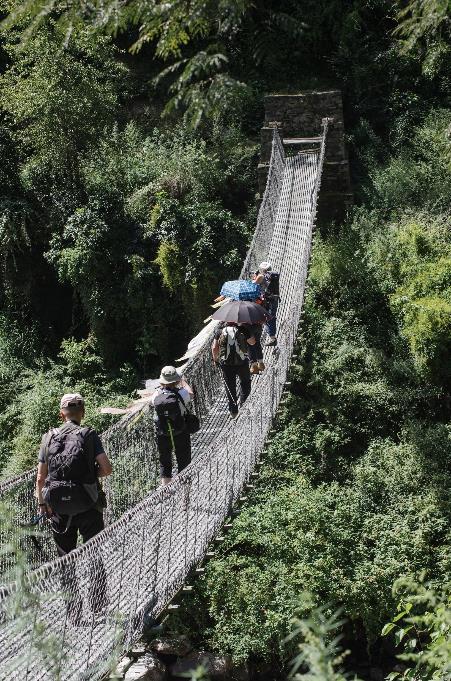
column 185, row 385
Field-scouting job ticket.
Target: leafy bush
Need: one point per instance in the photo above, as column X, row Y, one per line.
column 344, row 544
column 155, row 222
column 33, row 404
column 319, row 657
column 413, row 258
column 60, row 99
column 419, row 176
column 422, row 629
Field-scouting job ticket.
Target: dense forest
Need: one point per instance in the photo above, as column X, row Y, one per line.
column 129, row 143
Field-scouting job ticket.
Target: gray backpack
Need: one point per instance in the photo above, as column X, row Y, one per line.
column 233, row 347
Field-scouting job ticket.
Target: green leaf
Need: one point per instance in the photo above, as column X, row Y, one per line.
column 399, row 635
column 387, row 628
column 411, row 643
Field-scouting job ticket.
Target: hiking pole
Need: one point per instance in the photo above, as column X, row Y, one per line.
column 227, row 388
column 36, row 520
column 171, row 436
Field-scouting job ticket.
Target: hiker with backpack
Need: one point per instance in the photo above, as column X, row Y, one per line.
column 174, row 423
column 71, row 461
column 269, row 283
column 230, row 349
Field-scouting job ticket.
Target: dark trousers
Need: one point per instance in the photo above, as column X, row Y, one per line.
column 230, row 374
column 65, row 534
column 272, row 319
column 182, row 447
column 88, row 524
column 256, row 351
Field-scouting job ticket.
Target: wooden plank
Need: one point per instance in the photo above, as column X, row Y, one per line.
column 301, row 140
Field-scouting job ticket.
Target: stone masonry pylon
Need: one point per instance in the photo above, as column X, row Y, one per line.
column 298, row 118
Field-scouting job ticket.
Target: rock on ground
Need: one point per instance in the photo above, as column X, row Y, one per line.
column 218, row 667
column 121, row 668
column 147, row 668
column 178, row 646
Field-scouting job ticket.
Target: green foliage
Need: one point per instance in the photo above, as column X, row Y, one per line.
column 33, row 400
column 204, row 85
column 201, row 90
column 346, row 544
column 171, row 263
column 319, row 650
column 423, row 21
column 414, row 261
column 56, row 103
column 140, row 191
column 58, row 99
column 153, row 198
column 422, row 629
column 420, row 174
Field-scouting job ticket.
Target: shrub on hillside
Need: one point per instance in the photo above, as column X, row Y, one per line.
column 33, row 405
column 421, row 629
column 413, row 262
column 419, row 176
column 155, row 221
column 344, row 544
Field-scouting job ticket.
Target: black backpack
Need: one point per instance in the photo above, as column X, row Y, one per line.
column 170, row 420
column 272, row 279
column 233, row 347
column 71, row 485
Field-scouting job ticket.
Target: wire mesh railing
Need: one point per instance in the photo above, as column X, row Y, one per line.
column 130, row 442
column 87, row 605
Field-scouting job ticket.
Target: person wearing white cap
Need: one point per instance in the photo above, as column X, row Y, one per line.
column 170, row 401
column 269, row 283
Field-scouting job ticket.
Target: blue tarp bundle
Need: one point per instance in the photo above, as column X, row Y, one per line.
column 241, row 289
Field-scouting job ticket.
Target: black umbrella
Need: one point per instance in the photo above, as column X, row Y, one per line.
column 240, row 312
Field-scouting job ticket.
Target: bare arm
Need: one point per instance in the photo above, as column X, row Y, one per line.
column 187, row 387
column 215, row 350
column 40, row 480
column 104, row 465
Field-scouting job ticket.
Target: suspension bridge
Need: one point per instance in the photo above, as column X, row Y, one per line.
column 67, row 618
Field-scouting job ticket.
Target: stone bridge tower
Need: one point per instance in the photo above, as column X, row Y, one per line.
column 298, row 118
